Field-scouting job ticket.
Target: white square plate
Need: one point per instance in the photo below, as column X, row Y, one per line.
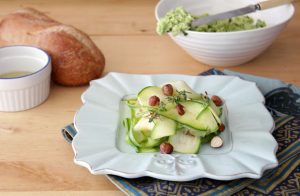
column 249, row 147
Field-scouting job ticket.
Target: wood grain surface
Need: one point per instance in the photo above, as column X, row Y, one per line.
column 35, row 159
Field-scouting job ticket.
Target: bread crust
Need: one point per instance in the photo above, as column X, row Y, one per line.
column 75, row 58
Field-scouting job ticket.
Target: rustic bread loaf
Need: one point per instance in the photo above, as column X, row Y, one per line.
column 75, row 58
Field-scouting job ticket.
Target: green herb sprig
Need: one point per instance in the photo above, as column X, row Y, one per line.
column 180, row 96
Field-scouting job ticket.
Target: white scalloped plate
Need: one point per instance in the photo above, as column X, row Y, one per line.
column 249, row 147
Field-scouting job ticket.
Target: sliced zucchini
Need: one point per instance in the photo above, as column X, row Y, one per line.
column 128, row 141
column 144, row 125
column 147, row 150
column 163, row 127
column 126, row 123
column 203, row 122
column 216, row 109
column 150, row 143
column 141, row 112
column 144, row 95
column 199, row 123
column 215, row 115
column 136, row 137
column 131, row 102
column 197, row 132
column 207, row 121
column 184, row 142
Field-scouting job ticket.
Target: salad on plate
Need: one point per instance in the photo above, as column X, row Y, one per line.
column 173, row 117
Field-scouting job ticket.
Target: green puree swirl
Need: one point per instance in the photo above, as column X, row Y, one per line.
column 179, row 21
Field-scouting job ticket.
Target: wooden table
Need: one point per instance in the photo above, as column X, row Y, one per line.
column 35, row 159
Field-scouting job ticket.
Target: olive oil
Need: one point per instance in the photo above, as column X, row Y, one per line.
column 15, row 74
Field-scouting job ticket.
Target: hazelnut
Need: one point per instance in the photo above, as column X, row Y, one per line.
column 221, row 127
column 167, row 90
column 216, row 142
column 180, row 109
column 217, row 100
column 166, row 148
column 154, row 101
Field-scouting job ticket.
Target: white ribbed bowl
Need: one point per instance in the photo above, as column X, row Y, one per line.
column 24, row 92
column 227, row 48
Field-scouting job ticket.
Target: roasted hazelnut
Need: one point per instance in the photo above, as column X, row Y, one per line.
column 217, row 100
column 154, row 101
column 180, row 109
column 216, row 142
column 166, row 148
column 221, row 127
column 167, row 90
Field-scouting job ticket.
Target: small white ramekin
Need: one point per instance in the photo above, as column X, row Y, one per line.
column 24, row 92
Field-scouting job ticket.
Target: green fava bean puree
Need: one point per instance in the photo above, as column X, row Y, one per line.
column 179, row 21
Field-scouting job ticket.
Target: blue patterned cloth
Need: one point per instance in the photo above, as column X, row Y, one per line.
column 283, row 102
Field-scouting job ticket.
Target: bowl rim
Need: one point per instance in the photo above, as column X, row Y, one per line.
column 48, row 63
column 292, row 7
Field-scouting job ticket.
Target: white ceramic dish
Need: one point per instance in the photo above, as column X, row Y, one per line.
column 227, row 48
column 24, row 92
column 249, row 148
